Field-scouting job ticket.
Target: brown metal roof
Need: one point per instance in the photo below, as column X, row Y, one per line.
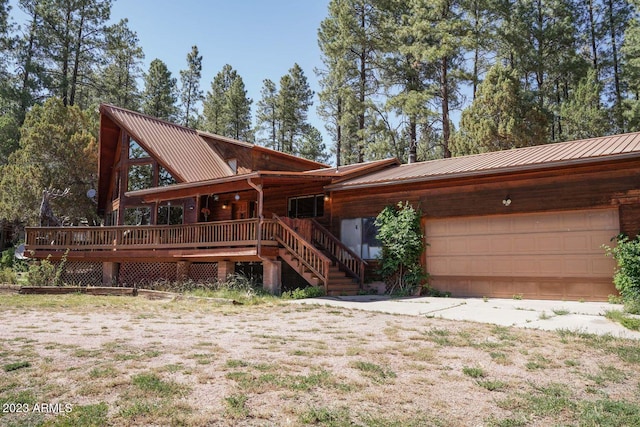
column 181, row 150
column 519, row 159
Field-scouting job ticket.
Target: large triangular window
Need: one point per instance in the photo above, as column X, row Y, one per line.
column 136, row 151
column 165, row 178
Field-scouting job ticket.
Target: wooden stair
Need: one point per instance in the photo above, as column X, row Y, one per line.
column 338, row 282
column 319, row 257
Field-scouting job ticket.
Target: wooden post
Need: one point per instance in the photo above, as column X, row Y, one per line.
column 110, row 273
column 225, row 268
column 182, row 270
column 271, row 276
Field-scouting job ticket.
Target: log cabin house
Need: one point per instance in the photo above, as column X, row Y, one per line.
column 180, row 203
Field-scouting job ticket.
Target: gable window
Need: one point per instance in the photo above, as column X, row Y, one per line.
column 170, row 214
column 136, row 151
column 233, row 164
column 306, row 206
column 140, row 177
column 140, row 215
column 165, row 178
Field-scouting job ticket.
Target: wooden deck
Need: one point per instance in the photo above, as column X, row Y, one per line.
column 317, row 255
column 217, row 238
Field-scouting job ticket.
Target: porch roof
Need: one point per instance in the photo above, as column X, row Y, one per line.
column 225, row 185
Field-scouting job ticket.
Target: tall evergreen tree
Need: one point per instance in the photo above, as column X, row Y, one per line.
column 267, row 115
column 582, row 114
column 57, row 151
column 226, row 107
column 159, row 96
column 123, row 57
column 238, row 111
column 190, row 92
column 440, row 36
column 71, row 37
column 31, row 77
column 502, row 116
column 617, row 16
column 294, row 99
column 349, row 45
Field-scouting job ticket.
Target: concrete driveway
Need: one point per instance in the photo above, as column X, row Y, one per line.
column 587, row 317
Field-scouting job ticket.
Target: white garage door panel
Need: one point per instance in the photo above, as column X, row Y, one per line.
column 558, row 244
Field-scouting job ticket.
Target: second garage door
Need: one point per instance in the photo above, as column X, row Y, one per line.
column 538, row 255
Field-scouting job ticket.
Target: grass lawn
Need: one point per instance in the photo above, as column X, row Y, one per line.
column 77, row 360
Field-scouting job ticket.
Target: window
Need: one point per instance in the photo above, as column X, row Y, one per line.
column 306, row 206
column 137, row 216
column 112, row 218
column 360, row 235
column 136, row 151
column 140, row 177
column 165, row 178
column 170, row 215
column 233, row 164
column 116, row 187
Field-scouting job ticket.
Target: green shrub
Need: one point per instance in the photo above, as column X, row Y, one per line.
column 42, row 273
column 7, row 275
column 8, row 260
column 627, row 275
column 402, row 246
column 309, row 292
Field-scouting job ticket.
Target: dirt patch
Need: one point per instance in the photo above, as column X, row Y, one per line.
column 138, row 362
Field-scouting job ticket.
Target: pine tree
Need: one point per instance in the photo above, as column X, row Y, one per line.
column 238, row 111
column 32, row 77
column 123, row 56
column 349, row 45
column 267, row 115
column 582, row 114
column 501, row 117
column 440, row 36
column 57, row 151
column 226, row 108
column 71, row 37
column 190, row 93
column 159, row 96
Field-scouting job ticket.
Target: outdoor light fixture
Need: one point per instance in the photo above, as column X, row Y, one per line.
column 237, row 197
column 224, row 205
column 507, row 200
column 326, row 197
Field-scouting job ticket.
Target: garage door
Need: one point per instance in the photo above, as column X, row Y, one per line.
column 539, row 255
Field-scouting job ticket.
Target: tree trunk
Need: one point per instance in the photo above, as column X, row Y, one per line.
column 444, row 92
column 616, row 73
column 594, row 48
column 339, row 131
column 413, row 140
column 76, row 65
column 25, row 93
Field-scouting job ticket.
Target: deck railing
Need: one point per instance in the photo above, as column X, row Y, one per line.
column 310, row 256
column 202, row 235
column 345, row 257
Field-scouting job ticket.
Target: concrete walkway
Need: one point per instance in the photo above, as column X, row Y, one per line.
column 586, row 317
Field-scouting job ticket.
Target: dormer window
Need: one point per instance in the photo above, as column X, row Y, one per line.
column 136, row 151
column 233, row 164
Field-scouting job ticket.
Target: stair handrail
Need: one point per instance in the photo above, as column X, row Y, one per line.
column 312, row 258
column 348, row 259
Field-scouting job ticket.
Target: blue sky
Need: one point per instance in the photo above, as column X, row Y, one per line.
column 259, row 38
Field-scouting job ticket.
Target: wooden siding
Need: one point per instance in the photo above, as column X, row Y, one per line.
column 533, row 192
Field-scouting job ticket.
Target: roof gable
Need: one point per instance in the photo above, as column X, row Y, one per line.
column 180, row 150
